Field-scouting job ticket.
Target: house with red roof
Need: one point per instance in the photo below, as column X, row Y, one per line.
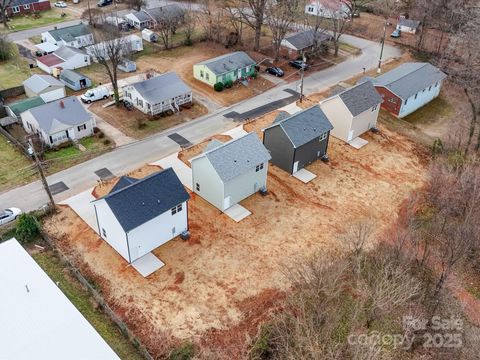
column 66, row 57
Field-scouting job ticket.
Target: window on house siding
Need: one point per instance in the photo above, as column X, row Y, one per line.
column 201, row 73
column 207, row 76
column 311, row 9
column 392, row 100
column 176, row 209
column 197, row 186
column 406, row 102
column 430, row 88
column 82, row 127
column 416, row 95
column 26, row 6
column 436, row 85
column 323, row 136
column 16, row 9
column 259, row 167
column 104, row 233
column 374, row 108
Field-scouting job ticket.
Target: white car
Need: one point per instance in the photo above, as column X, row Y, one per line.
column 98, row 93
column 60, row 4
column 8, row 215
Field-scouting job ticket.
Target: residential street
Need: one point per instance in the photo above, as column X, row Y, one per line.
column 130, row 156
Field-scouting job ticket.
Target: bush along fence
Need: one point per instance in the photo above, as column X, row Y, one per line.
column 98, row 298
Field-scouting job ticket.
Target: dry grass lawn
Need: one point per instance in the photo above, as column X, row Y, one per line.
column 218, row 285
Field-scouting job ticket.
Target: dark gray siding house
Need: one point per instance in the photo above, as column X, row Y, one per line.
column 295, row 141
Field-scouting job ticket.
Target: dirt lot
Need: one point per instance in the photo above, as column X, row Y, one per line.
column 219, row 284
column 138, row 125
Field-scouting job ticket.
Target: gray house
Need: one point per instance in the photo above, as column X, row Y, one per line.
column 75, row 80
column 227, row 173
column 303, row 41
column 59, row 121
column 298, row 140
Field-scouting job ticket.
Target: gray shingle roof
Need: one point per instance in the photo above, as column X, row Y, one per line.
column 305, row 39
column 38, row 83
column 69, row 33
column 237, row 156
column 123, row 182
column 409, row 78
column 142, row 16
column 67, row 52
column 409, row 23
column 161, row 87
column 304, row 126
column 143, row 200
column 170, row 11
column 213, row 144
column 72, row 75
column 228, row 62
column 22, row 2
column 360, row 98
column 52, row 117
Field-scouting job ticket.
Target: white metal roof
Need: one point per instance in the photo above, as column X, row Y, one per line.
column 47, row 47
column 37, row 319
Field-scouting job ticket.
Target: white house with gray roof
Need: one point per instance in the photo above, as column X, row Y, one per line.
column 59, row 121
column 45, row 86
column 408, row 87
column 166, row 92
column 76, row 36
column 230, row 67
column 408, row 25
column 302, row 41
column 227, row 173
column 65, row 57
column 139, row 215
column 353, row 111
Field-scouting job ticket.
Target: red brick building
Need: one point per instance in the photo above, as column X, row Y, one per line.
column 18, row 7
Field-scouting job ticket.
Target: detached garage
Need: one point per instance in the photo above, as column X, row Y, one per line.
column 353, row 111
column 45, row 86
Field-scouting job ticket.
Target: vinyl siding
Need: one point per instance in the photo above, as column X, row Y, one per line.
column 310, row 152
column 364, row 122
column 211, row 186
column 246, row 184
column 338, row 114
column 423, row 98
column 280, row 148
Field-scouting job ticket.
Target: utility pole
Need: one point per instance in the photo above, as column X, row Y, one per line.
column 302, row 74
column 379, row 69
column 42, row 174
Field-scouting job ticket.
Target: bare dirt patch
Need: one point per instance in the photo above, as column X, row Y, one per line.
column 229, row 274
column 193, row 151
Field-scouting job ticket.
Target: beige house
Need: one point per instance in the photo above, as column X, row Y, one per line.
column 353, row 111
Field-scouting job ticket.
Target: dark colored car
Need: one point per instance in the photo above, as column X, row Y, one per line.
column 276, row 71
column 299, row 64
column 102, row 3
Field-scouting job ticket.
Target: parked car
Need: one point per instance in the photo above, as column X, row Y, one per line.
column 101, row 3
column 395, row 34
column 299, row 64
column 276, row 71
column 9, row 215
column 95, row 94
column 60, row 4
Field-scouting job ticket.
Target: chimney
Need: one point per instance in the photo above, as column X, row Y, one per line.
column 62, row 104
column 54, row 28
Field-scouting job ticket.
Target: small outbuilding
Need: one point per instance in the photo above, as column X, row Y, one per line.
column 127, row 66
column 227, row 173
column 166, row 92
column 230, row 67
column 149, row 35
column 408, row 25
column 353, row 112
column 74, row 80
column 15, row 109
column 139, row 215
column 297, row 140
column 45, row 86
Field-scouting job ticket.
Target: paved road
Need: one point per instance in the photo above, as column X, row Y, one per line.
column 126, row 158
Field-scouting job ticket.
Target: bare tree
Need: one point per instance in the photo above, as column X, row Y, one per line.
column 95, row 17
column 4, row 4
column 109, row 49
column 135, row 4
column 166, row 29
column 6, row 48
column 190, row 24
column 281, row 16
column 252, row 13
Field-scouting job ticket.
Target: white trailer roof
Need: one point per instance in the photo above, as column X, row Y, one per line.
column 47, row 47
column 37, row 319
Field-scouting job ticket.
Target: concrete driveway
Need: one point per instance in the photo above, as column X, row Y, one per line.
column 81, row 204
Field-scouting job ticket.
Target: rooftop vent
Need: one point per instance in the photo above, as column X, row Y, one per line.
column 62, row 104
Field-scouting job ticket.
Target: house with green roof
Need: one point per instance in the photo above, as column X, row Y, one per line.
column 77, row 36
column 230, row 67
column 15, row 109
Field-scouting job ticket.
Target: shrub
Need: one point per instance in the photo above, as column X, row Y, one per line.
column 141, row 124
column 101, row 135
column 27, row 228
column 254, row 75
column 218, row 86
column 228, row 84
column 184, row 352
column 96, row 130
column 106, row 142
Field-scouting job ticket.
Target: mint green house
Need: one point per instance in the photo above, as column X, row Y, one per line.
column 234, row 66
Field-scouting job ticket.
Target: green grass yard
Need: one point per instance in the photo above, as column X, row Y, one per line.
column 15, row 168
column 431, row 112
column 82, row 300
column 13, row 72
column 52, row 16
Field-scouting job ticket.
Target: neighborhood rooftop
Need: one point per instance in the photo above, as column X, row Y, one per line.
column 60, row 115
column 134, row 202
column 408, row 79
column 72, row 75
column 237, row 156
column 409, row 23
column 228, row 62
column 304, row 39
column 69, row 33
column 169, row 11
column 161, row 87
column 26, row 104
column 38, row 83
column 360, row 98
column 303, row 126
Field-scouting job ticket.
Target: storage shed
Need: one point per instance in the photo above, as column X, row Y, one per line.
column 295, row 141
column 74, row 80
column 45, row 86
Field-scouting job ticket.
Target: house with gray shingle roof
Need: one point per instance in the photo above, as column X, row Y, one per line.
column 408, row 25
column 353, row 111
column 45, row 86
column 76, row 36
column 297, row 140
column 408, row 87
column 302, row 41
column 59, row 121
column 230, row 67
column 227, row 173
column 139, row 215
column 165, row 92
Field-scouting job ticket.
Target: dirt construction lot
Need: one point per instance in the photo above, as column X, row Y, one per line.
column 219, row 284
